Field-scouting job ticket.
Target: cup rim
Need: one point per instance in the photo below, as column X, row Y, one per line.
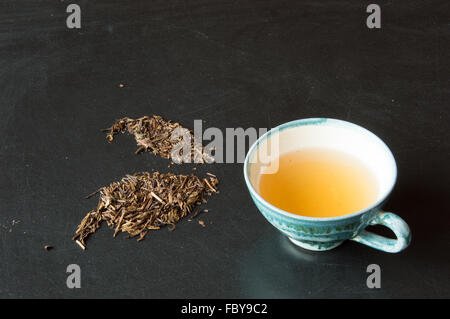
column 315, row 121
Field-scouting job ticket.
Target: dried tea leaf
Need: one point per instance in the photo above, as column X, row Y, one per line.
column 146, row 201
column 161, row 137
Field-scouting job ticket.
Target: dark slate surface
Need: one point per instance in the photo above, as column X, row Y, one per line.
column 230, row 63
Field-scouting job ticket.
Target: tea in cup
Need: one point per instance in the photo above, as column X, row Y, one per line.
column 322, row 181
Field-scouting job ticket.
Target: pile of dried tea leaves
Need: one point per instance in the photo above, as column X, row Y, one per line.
column 161, row 137
column 146, row 201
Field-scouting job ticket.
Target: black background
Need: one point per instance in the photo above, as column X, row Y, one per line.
column 232, row 64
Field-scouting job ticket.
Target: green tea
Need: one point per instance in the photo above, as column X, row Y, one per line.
column 319, row 183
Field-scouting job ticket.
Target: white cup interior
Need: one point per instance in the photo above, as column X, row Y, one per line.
column 329, row 134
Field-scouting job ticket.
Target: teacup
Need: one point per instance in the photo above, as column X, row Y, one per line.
column 321, row 234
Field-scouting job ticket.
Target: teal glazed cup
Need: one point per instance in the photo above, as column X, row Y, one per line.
column 320, row 234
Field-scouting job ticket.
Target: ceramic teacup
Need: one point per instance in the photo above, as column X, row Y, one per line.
column 326, row 233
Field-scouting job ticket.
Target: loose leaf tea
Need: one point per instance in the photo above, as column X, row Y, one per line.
column 146, row 201
column 161, row 137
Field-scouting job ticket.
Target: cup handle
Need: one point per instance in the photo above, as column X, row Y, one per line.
column 393, row 222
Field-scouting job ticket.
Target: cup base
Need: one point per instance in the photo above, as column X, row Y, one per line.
column 316, row 246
